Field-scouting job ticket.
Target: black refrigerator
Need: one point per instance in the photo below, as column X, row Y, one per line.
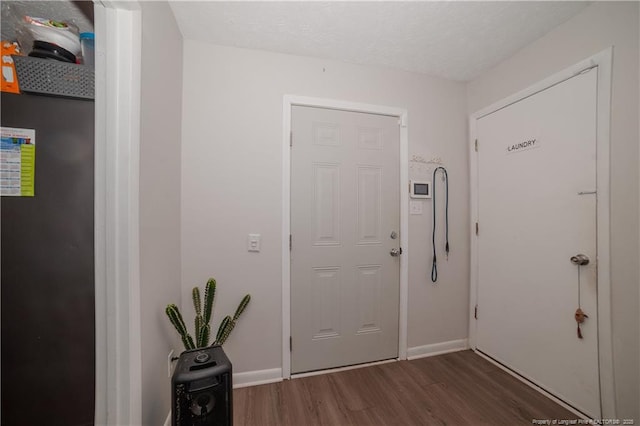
column 47, row 270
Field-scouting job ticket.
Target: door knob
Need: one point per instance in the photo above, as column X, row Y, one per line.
column 395, row 252
column 580, row 259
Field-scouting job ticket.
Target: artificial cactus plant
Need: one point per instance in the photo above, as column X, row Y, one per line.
column 203, row 318
column 228, row 323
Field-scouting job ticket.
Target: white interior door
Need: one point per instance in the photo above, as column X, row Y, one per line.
column 537, row 209
column 345, row 205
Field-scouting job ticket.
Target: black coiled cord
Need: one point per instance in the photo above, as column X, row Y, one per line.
column 434, row 267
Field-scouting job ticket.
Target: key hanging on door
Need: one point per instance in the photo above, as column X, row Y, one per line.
column 579, row 315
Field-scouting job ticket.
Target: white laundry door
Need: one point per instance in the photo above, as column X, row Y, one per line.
column 537, row 209
column 345, row 205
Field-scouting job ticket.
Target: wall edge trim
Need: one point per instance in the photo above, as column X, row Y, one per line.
column 437, row 349
column 257, row 377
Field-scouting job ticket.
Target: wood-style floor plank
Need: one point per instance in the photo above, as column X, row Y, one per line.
column 459, row 388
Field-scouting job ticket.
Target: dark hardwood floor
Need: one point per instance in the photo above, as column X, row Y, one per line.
column 459, row 388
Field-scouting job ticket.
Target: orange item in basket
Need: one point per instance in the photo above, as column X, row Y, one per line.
column 9, row 80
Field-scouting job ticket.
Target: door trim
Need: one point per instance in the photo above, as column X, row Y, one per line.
column 117, row 279
column 288, row 102
column 603, row 61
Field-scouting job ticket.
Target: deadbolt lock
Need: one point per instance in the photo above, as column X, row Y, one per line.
column 580, row 259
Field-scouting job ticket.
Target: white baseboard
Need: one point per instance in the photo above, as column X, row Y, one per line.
column 257, row 377
column 437, row 348
column 168, row 421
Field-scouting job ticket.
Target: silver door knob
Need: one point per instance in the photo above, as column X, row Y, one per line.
column 395, row 252
column 580, row 259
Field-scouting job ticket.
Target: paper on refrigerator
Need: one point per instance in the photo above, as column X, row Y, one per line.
column 17, row 161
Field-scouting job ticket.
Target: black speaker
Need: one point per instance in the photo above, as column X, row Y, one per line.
column 202, row 389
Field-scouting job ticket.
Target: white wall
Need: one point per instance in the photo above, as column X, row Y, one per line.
column 161, row 114
column 232, row 178
column 596, row 28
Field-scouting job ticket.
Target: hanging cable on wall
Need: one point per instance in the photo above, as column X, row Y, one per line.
column 434, row 267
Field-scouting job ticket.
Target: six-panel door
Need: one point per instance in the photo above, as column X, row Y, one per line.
column 345, row 205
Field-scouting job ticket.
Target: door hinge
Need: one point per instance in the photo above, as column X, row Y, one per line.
column 290, row 344
column 291, row 138
column 290, row 242
column 477, row 228
column 475, row 312
column 476, row 145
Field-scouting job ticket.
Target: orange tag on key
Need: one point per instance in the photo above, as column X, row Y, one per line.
column 9, row 80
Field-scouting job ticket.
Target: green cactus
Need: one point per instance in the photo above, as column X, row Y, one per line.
column 209, row 296
column 223, row 326
column 197, row 304
column 242, row 306
column 203, row 318
column 203, row 337
column 197, row 323
column 176, row 319
column 228, row 324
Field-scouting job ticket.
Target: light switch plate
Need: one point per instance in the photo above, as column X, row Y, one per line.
column 415, row 207
column 253, row 242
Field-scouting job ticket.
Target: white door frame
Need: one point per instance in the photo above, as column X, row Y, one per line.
column 602, row 60
column 288, row 103
column 118, row 385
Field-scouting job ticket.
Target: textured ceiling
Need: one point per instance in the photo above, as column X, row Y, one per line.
column 454, row 40
column 79, row 13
